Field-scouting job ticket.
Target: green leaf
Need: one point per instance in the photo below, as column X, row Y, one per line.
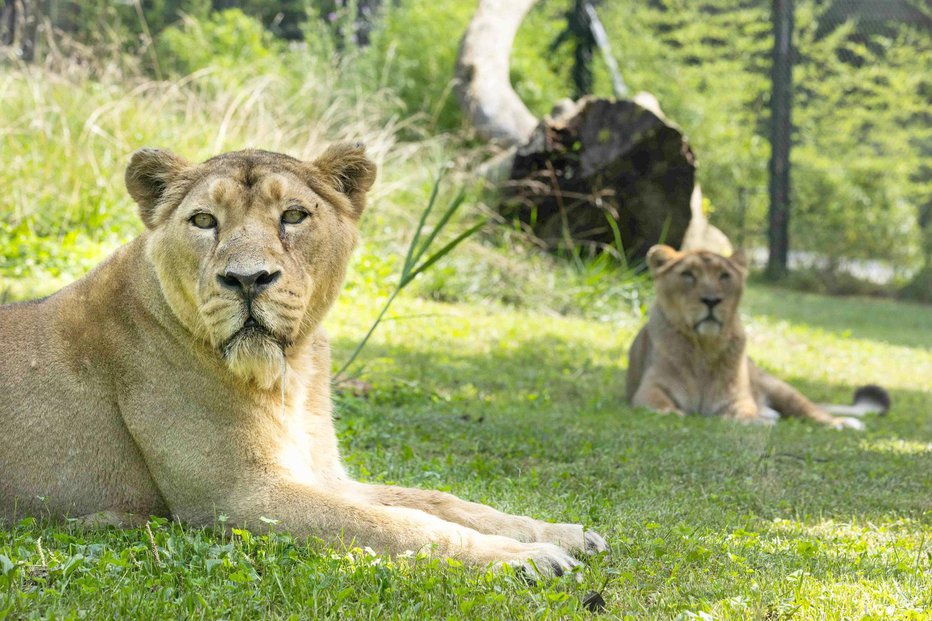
column 6, row 565
column 454, row 205
column 409, row 261
column 445, row 250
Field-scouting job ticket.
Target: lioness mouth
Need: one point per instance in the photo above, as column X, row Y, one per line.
column 705, row 319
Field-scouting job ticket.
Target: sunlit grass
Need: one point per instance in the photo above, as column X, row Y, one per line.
column 524, row 410
column 500, row 377
column 897, row 445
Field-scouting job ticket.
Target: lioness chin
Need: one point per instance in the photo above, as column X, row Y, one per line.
column 153, row 385
column 690, row 357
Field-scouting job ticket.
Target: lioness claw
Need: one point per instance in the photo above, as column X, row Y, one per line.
column 595, row 543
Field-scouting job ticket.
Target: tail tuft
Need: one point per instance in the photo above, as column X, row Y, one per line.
column 873, row 396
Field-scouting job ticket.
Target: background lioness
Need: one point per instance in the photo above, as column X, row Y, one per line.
column 188, row 375
column 690, row 357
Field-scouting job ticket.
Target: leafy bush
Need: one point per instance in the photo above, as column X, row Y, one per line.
column 228, row 39
column 857, row 114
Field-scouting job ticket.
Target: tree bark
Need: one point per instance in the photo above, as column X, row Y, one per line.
column 609, row 176
column 483, row 85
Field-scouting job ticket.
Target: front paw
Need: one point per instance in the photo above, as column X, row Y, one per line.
column 595, row 543
column 536, row 559
column 574, row 538
column 846, row 422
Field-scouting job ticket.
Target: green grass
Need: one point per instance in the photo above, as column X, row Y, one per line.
column 500, row 377
column 525, row 411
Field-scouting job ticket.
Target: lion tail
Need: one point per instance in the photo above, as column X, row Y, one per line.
column 870, row 399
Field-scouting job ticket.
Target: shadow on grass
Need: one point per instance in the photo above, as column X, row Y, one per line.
column 546, row 408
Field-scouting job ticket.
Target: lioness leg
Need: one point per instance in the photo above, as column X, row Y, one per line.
column 650, row 395
column 485, row 519
column 790, row 402
column 745, row 410
column 116, row 519
column 307, row 511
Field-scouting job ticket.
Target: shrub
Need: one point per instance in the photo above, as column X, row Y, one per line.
column 229, row 39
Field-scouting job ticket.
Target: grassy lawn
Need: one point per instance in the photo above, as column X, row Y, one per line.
column 525, row 412
column 520, row 407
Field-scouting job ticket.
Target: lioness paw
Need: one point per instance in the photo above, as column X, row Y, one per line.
column 567, row 536
column 595, row 543
column 534, row 559
column 573, row 538
column 543, row 560
column 846, row 422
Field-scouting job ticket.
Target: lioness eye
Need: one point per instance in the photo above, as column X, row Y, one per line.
column 725, row 276
column 293, row 216
column 689, row 276
column 203, row 220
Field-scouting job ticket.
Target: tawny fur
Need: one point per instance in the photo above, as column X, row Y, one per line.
column 139, row 389
column 691, row 356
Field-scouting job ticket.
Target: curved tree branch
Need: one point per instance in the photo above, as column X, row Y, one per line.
column 482, row 70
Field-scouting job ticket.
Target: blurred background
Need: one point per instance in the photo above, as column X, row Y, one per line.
column 83, row 84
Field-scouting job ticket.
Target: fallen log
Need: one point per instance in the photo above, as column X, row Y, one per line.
column 603, row 175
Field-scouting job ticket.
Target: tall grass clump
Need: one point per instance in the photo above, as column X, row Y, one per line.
column 70, row 124
column 415, row 261
column 67, row 132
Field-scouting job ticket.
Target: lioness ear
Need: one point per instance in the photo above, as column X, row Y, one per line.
column 148, row 175
column 739, row 258
column 660, row 255
column 345, row 167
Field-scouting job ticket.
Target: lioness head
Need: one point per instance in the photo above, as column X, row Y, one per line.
column 698, row 291
column 250, row 248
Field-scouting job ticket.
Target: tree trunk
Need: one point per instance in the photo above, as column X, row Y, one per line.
column 8, row 22
column 483, row 85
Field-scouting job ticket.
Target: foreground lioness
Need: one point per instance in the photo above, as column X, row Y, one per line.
column 690, row 357
column 153, row 385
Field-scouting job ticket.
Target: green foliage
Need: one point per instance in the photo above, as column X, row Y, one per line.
column 283, row 18
column 104, row 22
column 228, row 40
column 856, row 172
column 414, row 49
column 853, row 187
column 861, row 91
column 413, row 52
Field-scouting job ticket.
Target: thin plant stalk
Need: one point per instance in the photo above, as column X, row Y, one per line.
column 416, row 251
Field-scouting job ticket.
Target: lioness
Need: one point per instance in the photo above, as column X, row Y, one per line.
column 690, row 357
column 188, row 375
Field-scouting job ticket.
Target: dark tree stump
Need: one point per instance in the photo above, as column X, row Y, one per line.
column 603, row 171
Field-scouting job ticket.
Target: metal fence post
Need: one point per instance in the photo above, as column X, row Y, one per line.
column 781, row 100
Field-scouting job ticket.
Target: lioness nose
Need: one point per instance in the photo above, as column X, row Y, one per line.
column 711, row 302
column 248, row 284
